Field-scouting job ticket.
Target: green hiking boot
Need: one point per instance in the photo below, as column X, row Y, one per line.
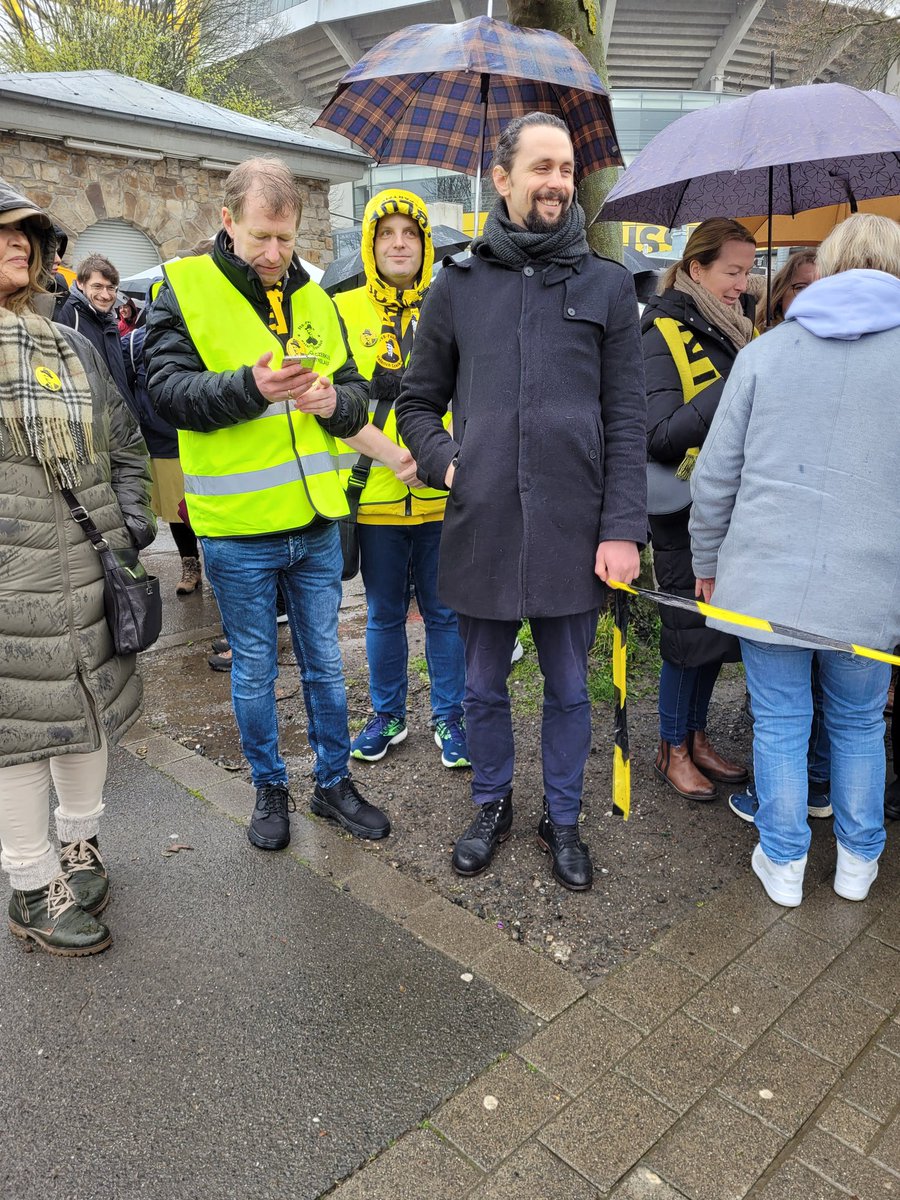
column 86, row 875
column 51, row 917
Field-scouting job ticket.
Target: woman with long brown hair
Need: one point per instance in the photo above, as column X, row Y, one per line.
column 692, row 333
column 794, row 277
column 64, row 692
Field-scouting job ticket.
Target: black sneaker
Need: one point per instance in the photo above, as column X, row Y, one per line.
column 571, row 858
column 343, row 803
column 270, row 828
column 474, row 851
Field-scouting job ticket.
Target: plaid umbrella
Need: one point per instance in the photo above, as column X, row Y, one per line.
column 440, row 95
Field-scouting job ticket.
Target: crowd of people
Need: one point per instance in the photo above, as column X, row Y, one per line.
column 506, row 435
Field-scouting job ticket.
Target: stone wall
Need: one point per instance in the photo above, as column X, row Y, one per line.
column 174, row 202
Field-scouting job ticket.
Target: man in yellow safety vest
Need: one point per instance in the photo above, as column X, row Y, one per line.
column 257, row 447
column 399, row 518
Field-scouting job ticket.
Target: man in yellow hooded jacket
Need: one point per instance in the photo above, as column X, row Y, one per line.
column 399, row 518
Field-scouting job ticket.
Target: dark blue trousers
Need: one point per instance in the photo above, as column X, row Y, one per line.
column 562, row 645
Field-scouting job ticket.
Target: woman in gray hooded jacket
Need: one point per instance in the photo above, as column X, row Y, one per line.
column 64, row 693
column 796, row 519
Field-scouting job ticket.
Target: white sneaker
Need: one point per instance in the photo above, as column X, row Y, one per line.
column 854, row 875
column 518, row 651
column 783, row 881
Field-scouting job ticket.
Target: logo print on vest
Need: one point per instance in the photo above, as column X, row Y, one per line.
column 306, row 341
column 368, row 338
column 48, row 379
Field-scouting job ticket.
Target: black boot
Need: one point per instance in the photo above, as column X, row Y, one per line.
column 343, row 803
column 85, row 874
column 474, row 851
column 571, row 857
column 270, row 828
column 51, row 918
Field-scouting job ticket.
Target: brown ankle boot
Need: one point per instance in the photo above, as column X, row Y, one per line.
column 673, row 764
column 713, row 765
column 190, row 576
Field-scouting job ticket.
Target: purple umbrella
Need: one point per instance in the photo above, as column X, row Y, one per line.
column 441, row 95
column 778, row 151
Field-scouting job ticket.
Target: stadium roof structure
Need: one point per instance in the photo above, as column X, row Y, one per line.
column 684, row 45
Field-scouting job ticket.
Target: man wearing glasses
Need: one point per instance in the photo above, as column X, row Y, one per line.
column 91, row 309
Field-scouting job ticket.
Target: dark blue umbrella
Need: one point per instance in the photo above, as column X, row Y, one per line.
column 780, row 151
column 442, row 94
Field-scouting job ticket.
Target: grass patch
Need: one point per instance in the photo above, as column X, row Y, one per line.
column 527, row 683
column 420, row 666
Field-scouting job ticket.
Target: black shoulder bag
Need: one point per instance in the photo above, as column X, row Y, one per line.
column 131, row 597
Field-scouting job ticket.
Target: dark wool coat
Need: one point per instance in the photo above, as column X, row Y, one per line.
column 673, row 427
column 543, row 367
column 60, row 678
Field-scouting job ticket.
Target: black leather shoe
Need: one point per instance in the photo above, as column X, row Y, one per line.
column 269, row 825
column 892, row 801
column 571, row 857
column 344, row 804
column 474, row 851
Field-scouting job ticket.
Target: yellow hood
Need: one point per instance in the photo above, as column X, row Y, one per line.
column 386, row 204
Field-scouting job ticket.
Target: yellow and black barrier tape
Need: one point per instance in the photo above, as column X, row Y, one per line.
column 621, row 760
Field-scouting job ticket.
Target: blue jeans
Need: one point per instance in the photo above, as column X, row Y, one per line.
column 244, row 573
column 854, row 692
column 393, row 558
column 562, row 645
column 684, row 696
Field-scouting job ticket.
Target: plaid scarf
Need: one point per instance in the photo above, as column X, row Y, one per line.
column 45, row 398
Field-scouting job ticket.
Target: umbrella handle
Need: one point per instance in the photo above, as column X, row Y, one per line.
column 479, row 167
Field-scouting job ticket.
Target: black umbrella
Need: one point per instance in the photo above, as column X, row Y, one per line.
column 347, row 272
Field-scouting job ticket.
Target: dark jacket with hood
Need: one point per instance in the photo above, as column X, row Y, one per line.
column 673, row 428
column 61, row 681
column 102, row 331
column 189, row 396
column 544, row 370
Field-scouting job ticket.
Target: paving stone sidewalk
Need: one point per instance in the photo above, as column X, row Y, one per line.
column 752, row 1051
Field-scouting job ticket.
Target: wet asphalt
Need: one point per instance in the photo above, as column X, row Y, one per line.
column 253, row 1032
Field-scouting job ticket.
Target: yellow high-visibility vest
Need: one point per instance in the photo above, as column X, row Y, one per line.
column 385, row 500
column 279, row 470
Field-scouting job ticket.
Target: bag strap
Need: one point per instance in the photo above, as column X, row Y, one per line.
column 82, row 517
column 359, row 473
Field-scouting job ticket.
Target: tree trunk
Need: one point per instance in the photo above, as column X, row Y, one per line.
column 581, row 22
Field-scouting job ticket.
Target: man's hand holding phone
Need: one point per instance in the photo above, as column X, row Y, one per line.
column 289, row 382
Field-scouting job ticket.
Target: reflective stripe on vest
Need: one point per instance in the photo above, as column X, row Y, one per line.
column 363, row 322
column 278, row 470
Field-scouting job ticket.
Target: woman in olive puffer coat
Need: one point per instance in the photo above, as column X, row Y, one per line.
column 64, row 693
